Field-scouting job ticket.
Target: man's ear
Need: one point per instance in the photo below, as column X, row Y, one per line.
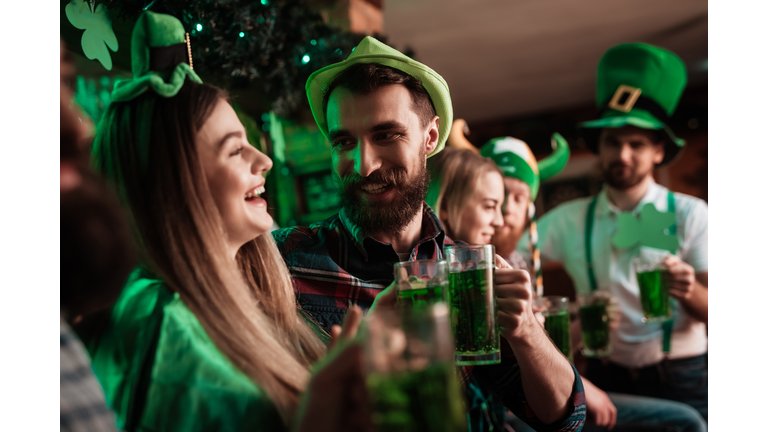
column 658, row 155
column 433, row 135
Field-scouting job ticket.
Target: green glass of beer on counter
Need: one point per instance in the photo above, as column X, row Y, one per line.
column 472, row 299
column 411, row 376
column 652, row 282
column 421, row 283
column 595, row 331
column 557, row 322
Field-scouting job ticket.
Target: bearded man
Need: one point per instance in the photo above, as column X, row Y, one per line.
column 638, row 88
column 384, row 114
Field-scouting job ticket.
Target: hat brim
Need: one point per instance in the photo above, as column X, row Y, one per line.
column 590, row 131
column 436, row 87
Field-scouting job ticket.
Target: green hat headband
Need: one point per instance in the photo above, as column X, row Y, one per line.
column 638, row 85
column 161, row 58
column 516, row 160
column 370, row 50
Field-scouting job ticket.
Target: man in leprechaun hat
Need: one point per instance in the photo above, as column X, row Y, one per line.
column 597, row 238
column 384, row 114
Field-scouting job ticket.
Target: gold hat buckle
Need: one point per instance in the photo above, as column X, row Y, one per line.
column 629, row 96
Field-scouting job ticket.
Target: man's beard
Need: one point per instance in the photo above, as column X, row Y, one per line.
column 384, row 216
column 622, row 183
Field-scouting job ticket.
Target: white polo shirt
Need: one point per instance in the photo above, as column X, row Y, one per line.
column 561, row 238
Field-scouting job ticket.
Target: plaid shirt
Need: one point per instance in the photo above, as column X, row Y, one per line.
column 82, row 406
column 334, row 265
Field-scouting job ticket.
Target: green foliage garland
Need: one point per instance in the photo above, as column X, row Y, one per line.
column 280, row 42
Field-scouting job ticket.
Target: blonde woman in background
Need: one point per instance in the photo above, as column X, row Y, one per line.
column 466, row 193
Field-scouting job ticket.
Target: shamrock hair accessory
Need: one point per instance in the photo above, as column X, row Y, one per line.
column 161, row 58
column 516, row 160
column 98, row 34
column 370, row 50
column 638, row 85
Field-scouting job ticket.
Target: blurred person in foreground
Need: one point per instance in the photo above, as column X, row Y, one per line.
column 206, row 334
column 466, row 191
column 384, row 114
column 522, row 178
column 96, row 255
column 638, row 88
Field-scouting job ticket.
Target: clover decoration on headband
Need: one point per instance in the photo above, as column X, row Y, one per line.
column 161, row 58
column 370, row 50
column 516, row 160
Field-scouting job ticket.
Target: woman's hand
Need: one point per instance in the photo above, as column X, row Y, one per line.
column 348, row 328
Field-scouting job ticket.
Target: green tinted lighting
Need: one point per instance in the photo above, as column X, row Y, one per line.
column 305, row 59
column 199, row 27
column 265, row 2
column 313, row 42
column 242, row 34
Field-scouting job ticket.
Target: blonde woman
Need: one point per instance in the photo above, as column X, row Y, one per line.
column 466, row 193
column 206, row 334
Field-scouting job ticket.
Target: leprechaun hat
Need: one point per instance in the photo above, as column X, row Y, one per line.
column 638, row 85
column 161, row 58
column 370, row 50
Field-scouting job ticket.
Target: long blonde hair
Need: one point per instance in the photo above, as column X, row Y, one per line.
column 146, row 146
column 455, row 173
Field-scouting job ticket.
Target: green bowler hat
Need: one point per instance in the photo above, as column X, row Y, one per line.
column 370, row 50
column 516, row 160
column 161, row 58
column 638, row 85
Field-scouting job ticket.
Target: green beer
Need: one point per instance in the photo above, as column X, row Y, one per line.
column 558, row 326
column 654, row 296
column 595, row 331
column 424, row 400
column 473, row 316
column 421, row 294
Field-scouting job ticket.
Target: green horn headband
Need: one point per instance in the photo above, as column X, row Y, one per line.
column 161, row 58
column 516, row 160
column 554, row 163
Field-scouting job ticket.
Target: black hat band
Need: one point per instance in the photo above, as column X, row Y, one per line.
column 644, row 103
column 166, row 58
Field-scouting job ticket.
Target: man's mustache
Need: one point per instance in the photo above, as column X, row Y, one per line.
column 395, row 176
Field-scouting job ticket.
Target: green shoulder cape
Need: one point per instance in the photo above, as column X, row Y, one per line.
column 161, row 371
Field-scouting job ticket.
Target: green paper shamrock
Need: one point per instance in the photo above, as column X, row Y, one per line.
column 649, row 229
column 98, row 33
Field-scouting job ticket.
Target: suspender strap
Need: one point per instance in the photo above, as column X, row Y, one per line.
column 588, row 243
column 666, row 326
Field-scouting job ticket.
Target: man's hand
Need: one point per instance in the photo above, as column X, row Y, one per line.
column 514, row 298
column 681, row 278
column 600, row 410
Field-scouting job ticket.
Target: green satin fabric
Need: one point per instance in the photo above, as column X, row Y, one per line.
column 188, row 385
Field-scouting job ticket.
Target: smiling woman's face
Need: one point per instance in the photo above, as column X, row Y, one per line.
column 235, row 173
column 482, row 215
